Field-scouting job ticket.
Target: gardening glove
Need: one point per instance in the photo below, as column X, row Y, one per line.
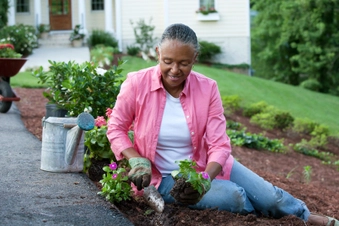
column 184, row 193
column 140, row 173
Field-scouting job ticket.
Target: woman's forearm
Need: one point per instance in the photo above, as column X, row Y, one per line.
column 130, row 153
column 213, row 169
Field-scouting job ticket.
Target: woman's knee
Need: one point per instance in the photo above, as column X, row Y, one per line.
column 237, row 202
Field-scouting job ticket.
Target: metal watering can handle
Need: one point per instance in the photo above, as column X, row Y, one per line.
column 85, row 122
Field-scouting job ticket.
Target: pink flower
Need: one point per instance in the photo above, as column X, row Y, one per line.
column 205, row 175
column 113, row 166
column 108, row 112
column 100, row 121
column 114, row 176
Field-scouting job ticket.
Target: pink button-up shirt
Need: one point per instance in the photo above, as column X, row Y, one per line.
column 142, row 100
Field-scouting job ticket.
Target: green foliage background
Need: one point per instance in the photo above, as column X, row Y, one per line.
column 297, row 41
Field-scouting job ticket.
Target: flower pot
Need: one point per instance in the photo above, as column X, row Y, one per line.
column 11, row 66
column 52, row 110
column 77, row 43
column 44, row 35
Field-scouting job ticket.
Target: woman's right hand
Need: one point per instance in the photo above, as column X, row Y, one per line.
column 140, row 173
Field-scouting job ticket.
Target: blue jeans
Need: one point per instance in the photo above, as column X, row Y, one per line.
column 244, row 193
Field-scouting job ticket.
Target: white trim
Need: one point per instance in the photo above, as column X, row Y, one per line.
column 11, row 13
column 118, row 21
column 82, row 16
column 166, row 13
column 208, row 17
column 108, row 16
column 37, row 8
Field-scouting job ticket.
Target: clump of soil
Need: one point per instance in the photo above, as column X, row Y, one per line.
column 321, row 193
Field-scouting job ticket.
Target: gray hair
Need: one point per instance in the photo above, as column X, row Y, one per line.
column 182, row 33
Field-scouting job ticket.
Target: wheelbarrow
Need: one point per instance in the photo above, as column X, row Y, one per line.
column 9, row 67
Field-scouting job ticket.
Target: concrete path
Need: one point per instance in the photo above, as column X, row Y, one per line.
column 41, row 56
column 31, row 196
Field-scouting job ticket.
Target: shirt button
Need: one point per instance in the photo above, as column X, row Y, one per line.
column 195, row 148
column 192, row 133
column 187, row 116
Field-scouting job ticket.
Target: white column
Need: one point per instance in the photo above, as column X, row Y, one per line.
column 109, row 16
column 118, row 22
column 166, row 14
column 82, row 16
column 11, row 13
column 37, row 12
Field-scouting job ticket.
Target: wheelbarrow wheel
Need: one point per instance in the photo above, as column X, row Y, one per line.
column 5, row 91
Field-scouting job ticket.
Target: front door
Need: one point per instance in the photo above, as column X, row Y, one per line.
column 60, row 14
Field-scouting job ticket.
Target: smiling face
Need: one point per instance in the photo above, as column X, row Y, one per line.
column 176, row 60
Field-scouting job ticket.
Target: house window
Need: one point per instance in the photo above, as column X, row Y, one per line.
column 98, row 5
column 207, row 6
column 22, row 6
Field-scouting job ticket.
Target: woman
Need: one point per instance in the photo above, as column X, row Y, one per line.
column 176, row 114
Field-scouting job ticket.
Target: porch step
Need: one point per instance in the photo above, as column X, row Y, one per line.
column 56, row 39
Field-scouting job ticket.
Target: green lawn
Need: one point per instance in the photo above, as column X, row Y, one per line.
column 299, row 102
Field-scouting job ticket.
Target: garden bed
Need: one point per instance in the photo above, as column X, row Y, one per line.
column 321, row 194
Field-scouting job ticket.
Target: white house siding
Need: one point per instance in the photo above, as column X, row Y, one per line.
column 134, row 11
column 95, row 20
column 26, row 18
column 231, row 32
column 44, row 12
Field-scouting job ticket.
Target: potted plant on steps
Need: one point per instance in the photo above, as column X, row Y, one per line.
column 43, row 30
column 77, row 36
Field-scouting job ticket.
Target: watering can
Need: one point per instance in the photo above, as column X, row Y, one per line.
column 63, row 142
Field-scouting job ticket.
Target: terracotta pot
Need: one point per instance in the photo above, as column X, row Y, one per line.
column 77, row 43
column 44, row 35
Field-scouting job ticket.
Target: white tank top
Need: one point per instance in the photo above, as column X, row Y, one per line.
column 174, row 142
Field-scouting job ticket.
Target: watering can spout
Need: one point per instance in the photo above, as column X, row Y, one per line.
column 85, row 121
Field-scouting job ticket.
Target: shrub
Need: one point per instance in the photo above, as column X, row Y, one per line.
column 305, row 148
column 283, row 120
column 100, row 37
column 304, row 125
column 231, row 103
column 232, row 125
column 207, row 51
column 76, row 87
column 265, row 120
column 144, row 34
column 320, row 130
column 133, row 50
column 4, row 7
column 255, row 141
column 311, row 84
column 255, row 108
column 23, row 37
column 102, row 55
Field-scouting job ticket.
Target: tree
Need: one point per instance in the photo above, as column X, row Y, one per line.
column 297, row 41
column 4, row 7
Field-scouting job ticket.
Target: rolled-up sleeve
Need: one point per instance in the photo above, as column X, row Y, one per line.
column 121, row 119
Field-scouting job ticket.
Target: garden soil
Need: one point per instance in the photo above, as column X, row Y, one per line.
column 321, row 193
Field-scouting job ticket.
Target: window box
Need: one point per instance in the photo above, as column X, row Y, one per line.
column 208, row 17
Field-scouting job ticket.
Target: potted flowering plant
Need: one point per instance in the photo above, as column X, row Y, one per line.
column 77, row 36
column 200, row 181
column 205, row 10
column 99, row 153
column 115, row 184
column 43, row 30
column 10, row 64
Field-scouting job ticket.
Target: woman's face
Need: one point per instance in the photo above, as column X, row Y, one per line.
column 176, row 60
